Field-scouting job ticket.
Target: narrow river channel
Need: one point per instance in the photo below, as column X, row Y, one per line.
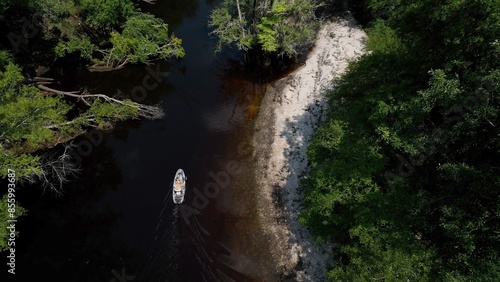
column 116, row 219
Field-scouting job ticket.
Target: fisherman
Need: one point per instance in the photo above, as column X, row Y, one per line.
column 178, row 182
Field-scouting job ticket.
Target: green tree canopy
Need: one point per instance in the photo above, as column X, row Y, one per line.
column 406, row 169
column 282, row 27
column 32, row 120
column 106, row 15
column 110, row 34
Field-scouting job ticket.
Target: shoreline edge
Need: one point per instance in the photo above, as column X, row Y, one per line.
column 290, row 113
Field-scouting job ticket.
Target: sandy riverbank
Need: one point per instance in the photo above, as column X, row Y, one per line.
column 290, row 113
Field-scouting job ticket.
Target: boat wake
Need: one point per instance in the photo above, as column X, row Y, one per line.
column 163, row 251
column 177, row 237
column 217, row 261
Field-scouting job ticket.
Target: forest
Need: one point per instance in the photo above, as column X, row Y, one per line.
column 405, row 171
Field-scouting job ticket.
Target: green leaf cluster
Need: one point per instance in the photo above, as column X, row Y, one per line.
column 106, row 114
column 25, row 115
column 4, row 216
column 83, row 45
column 31, row 121
column 281, row 27
column 107, row 33
column 143, row 37
column 406, row 168
column 228, row 27
column 106, row 15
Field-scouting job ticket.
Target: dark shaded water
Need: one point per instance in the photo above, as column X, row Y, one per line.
column 116, row 221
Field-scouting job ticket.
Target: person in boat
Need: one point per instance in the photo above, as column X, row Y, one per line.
column 178, row 183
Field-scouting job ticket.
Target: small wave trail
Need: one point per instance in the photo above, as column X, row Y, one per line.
column 161, row 264
column 216, row 261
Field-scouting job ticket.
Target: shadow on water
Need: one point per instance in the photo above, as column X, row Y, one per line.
column 75, row 241
column 244, row 87
column 172, row 12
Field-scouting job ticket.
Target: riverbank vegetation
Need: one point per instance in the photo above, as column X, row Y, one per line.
column 13, row 212
column 278, row 27
column 405, row 171
column 110, row 34
column 34, row 116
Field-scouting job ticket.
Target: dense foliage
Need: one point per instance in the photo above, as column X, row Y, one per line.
column 109, row 33
column 25, row 118
column 31, row 120
column 283, row 27
column 406, row 169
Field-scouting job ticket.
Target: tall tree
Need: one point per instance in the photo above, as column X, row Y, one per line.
column 284, row 27
column 143, row 37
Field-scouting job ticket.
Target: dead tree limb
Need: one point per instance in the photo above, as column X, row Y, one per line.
column 56, row 170
column 144, row 111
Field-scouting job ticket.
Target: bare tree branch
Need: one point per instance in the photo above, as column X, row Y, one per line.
column 144, row 111
column 56, row 170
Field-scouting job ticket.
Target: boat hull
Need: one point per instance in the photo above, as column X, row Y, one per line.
column 179, row 187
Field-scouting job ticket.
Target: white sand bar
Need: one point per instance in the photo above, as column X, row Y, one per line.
column 290, row 113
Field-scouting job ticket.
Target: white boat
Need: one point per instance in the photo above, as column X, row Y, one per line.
column 179, row 186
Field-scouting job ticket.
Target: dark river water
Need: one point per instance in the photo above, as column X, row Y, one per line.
column 116, row 220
